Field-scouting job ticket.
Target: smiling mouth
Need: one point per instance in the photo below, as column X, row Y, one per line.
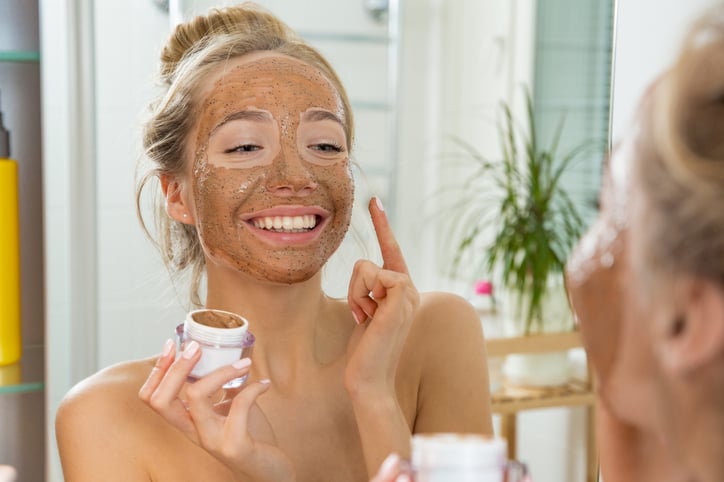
column 286, row 224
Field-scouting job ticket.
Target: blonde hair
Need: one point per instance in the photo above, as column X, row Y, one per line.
column 194, row 50
column 680, row 164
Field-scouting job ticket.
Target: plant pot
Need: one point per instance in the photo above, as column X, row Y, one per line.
column 539, row 369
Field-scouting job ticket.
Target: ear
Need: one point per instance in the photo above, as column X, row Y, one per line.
column 176, row 205
column 696, row 337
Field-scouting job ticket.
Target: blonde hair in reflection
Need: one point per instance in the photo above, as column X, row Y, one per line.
column 680, row 166
column 194, row 50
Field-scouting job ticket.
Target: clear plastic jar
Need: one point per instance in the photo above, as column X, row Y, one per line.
column 223, row 338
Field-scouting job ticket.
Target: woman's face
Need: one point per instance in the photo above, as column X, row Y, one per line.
column 606, row 299
column 272, row 185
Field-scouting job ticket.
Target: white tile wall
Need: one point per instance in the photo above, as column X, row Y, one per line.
column 136, row 306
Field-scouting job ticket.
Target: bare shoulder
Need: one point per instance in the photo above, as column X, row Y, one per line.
column 100, row 422
column 444, row 319
column 447, row 349
column 114, row 388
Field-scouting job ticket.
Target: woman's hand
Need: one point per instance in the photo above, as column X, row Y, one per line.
column 384, row 302
column 226, row 437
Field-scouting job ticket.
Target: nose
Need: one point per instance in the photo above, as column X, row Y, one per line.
column 290, row 176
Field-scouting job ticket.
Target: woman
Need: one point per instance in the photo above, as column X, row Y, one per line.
column 647, row 281
column 251, row 144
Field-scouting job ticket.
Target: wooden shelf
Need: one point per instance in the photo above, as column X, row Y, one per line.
column 514, row 399
column 510, row 400
column 534, row 343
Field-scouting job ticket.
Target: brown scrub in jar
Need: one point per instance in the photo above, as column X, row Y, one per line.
column 217, row 319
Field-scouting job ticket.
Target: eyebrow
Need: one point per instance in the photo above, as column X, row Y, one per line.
column 316, row 115
column 252, row 115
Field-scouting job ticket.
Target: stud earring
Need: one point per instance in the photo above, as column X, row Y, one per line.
column 185, row 215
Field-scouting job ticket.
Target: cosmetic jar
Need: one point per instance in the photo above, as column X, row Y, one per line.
column 223, row 338
column 442, row 457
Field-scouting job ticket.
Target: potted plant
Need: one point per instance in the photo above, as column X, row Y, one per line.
column 516, row 213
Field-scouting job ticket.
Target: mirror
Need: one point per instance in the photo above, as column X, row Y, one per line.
column 430, row 68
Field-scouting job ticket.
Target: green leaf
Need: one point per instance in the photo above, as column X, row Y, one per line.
column 516, row 218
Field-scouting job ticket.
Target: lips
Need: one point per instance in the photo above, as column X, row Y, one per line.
column 294, row 223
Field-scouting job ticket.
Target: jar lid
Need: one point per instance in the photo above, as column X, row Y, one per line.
column 231, row 331
column 456, row 450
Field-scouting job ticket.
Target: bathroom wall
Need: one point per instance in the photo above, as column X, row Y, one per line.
column 648, row 36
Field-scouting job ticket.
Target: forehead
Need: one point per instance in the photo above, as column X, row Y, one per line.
column 268, row 80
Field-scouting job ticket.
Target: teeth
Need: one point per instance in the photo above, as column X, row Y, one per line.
column 292, row 224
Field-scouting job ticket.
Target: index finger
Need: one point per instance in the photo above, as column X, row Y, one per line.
column 391, row 252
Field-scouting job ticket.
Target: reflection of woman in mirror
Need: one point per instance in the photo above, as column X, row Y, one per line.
column 647, row 281
column 251, row 144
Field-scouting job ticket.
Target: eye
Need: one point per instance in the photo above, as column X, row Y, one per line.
column 244, row 148
column 326, row 147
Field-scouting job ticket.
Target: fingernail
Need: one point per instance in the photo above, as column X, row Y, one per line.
column 379, row 204
column 191, row 350
column 265, row 381
column 243, row 363
column 388, row 466
column 356, row 318
column 403, row 478
column 168, row 348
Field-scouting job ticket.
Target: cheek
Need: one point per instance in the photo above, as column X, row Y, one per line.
column 596, row 280
column 346, row 192
column 338, row 181
column 339, row 186
column 218, row 190
column 630, row 387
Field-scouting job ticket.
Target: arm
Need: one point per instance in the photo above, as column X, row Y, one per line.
column 444, row 363
column 454, row 394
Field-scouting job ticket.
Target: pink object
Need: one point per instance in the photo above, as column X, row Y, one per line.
column 483, row 287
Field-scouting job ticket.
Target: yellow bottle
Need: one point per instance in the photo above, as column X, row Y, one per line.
column 10, row 320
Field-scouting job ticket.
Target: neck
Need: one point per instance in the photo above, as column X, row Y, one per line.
column 704, row 451
column 295, row 325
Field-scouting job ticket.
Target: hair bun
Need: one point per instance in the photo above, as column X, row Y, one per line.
column 690, row 108
column 244, row 19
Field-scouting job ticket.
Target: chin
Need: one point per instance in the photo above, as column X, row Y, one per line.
column 282, row 275
column 288, row 278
